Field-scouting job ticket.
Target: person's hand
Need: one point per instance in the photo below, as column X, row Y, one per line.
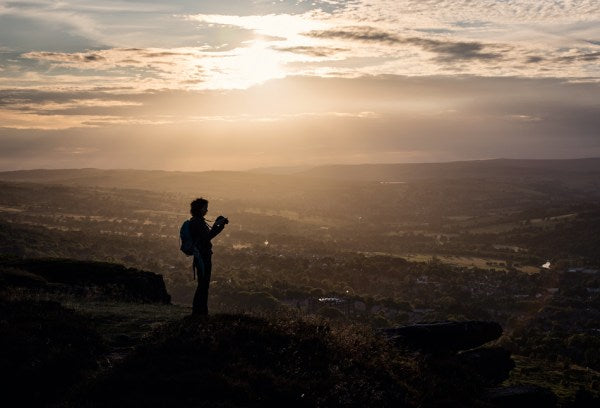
column 221, row 220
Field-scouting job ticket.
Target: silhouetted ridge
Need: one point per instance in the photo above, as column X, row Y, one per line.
column 504, row 169
column 576, row 171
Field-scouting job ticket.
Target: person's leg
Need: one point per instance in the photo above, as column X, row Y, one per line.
column 200, row 305
column 206, row 283
column 199, row 271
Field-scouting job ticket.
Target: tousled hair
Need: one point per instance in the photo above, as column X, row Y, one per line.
column 197, row 205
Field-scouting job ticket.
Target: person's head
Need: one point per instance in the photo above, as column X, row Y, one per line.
column 199, row 207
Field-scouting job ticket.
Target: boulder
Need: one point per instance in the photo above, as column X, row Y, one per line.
column 521, row 396
column 444, row 337
column 492, row 365
column 93, row 279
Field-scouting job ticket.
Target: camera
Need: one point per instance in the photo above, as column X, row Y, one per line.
column 222, row 220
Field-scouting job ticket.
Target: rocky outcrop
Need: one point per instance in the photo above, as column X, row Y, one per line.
column 493, row 365
column 455, row 347
column 445, row 337
column 87, row 279
column 521, row 396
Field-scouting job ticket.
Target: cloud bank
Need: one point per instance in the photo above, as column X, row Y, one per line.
column 326, row 81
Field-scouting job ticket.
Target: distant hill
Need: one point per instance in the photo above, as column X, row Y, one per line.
column 575, row 171
column 497, row 168
column 280, row 169
column 398, row 192
column 138, row 179
column 232, row 184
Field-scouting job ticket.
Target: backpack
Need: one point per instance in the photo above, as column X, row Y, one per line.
column 185, row 236
column 188, row 246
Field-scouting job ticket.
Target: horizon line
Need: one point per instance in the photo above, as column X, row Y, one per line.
column 305, row 166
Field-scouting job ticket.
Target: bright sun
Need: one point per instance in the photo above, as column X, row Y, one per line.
column 247, row 66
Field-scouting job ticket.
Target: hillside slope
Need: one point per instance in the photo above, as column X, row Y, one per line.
column 112, row 351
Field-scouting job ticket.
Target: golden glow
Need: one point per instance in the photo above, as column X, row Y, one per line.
column 246, row 67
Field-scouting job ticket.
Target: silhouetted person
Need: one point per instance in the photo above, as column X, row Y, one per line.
column 202, row 233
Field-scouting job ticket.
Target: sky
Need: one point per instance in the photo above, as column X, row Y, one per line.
column 234, row 85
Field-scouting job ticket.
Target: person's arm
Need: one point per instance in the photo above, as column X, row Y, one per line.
column 216, row 228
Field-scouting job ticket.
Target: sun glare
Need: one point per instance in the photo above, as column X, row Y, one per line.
column 248, row 66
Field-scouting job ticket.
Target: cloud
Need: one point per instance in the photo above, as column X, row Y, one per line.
column 357, row 33
column 19, row 120
column 66, row 110
column 580, row 56
column 113, row 57
column 534, row 59
column 454, row 51
column 21, row 109
column 435, row 30
column 472, row 13
column 142, row 68
column 71, row 58
column 184, row 46
column 271, row 25
column 181, row 68
column 447, row 51
column 312, row 50
column 162, row 54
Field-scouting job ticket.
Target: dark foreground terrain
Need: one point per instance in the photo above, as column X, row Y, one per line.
column 88, row 341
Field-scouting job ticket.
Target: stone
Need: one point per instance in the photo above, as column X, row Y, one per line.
column 445, row 337
column 521, row 396
column 492, row 365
